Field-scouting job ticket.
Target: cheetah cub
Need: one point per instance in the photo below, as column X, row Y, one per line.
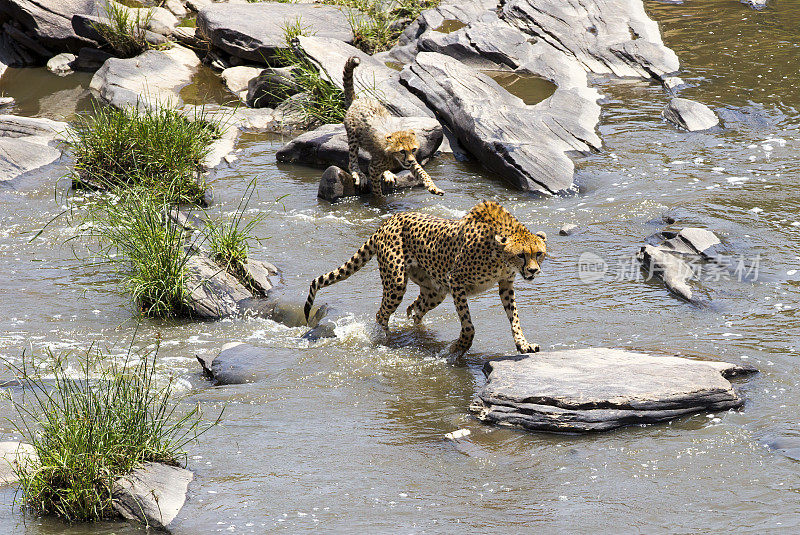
column 367, row 127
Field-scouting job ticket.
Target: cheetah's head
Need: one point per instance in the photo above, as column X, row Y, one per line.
column 523, row 251
column 403, row 146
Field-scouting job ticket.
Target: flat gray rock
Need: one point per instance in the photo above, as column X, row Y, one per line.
column 327, row 145
column 371, row 78
column 255, row 31
column 598, row 389
column 13, row 455
column 152, row 78
column 239, row 363
column 27, row 144
column 152, row 494
column 613, row 36
column 690, row 114
column 528, row 146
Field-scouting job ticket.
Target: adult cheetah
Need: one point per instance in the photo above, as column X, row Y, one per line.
column 462, row 257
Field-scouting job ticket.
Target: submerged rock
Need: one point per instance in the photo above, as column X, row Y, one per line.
column 674, row 256
column 256, row 31
column 598, row 389
column 152, row 78
column 675, row 273
column 152, row 494
column 27, row 144
column 568, row 229
column 238, row 363
column 327, row 145
column 690, row 115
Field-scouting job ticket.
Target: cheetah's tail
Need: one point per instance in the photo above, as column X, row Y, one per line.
column 427, row 181
column 355, row 263
column 347, row 80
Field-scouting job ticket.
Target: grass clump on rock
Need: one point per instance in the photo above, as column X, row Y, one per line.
column 325, row 102
column 157, row 148
column 149, row 248
column 93, row 425
column 124, row 29
column 377, row 24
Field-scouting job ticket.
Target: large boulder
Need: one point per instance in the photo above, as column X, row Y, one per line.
column 152, row 494
column 371, row 78
column 48, row 23
column 614, row 36
column 598, row 389
column 529, row 146
column 690, row 114
column 255, row 31
column 150, row 79
column 327, row 145
column 27, row 144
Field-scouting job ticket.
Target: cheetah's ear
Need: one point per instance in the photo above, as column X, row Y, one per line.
column 542, row 235
column 501, row 240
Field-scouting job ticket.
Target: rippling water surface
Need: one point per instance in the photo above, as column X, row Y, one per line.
column 348, row 434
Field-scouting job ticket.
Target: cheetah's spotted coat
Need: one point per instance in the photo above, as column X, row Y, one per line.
column 462, row 257
column 367, row 127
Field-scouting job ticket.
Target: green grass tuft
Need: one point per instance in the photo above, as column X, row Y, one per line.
column 126, row 31
column 91, row 427
column 159, row 149
column 149, row 249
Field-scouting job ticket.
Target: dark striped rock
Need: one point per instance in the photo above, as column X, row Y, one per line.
column 598, row 389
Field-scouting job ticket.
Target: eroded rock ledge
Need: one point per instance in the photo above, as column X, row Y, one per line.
column 598, row 389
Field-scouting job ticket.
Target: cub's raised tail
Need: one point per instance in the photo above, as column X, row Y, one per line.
column 355, row 263
column 347, row 80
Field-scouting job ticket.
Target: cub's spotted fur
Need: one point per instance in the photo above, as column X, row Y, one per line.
column 367, row 127
column 461, row 257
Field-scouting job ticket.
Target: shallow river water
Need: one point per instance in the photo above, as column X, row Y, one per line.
column 347, row 435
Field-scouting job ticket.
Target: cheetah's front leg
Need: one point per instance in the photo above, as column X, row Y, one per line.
column 390, row 179
column 464, row 342
column 510, row 304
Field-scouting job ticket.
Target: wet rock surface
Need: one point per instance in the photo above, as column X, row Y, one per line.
column 152, row 494
column 336, row 184
column 154, row 77
column 239, row 363
column 213, row 292
column 327, row 145
column 526, row 145
column 255, row 31
column 598, row 389
column 690, row 114
column 27, row 144
column 672, row 256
